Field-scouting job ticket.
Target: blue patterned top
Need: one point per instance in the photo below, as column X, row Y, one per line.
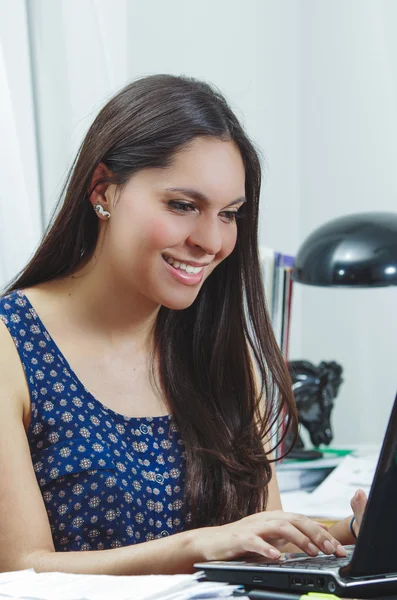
column 107, row 480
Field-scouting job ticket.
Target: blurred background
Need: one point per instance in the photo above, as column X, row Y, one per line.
column 313, row 81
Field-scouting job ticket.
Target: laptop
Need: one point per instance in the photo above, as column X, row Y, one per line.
column 370, row 568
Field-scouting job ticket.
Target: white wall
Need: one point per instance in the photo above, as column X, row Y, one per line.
column 348, row 150
column 315, row 84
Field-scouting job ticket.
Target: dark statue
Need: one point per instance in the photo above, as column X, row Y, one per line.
column 314, row 390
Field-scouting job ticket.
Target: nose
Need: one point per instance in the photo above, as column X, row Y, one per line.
column 207, row 235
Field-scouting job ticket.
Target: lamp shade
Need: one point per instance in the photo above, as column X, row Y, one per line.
column 357, row 250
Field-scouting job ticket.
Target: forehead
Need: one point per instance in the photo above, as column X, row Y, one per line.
column 212, row 166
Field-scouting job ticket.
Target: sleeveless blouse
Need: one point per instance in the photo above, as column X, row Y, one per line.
column 107, row 480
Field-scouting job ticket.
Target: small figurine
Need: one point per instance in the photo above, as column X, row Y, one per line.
column 314, row 390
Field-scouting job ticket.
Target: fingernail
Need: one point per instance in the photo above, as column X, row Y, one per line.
column 274, row 553
column 312, row 549
column 328, row 547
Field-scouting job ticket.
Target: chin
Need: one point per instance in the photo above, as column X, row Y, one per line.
column 178, row 304
column 175, row 301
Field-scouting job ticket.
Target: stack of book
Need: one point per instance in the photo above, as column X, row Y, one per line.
column 276, row 271
column 277, row 276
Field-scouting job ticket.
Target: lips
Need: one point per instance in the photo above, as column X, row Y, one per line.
column 184, row 273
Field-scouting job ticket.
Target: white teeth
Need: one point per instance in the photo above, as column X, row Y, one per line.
column 183, row 266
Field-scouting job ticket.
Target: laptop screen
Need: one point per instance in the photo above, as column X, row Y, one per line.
column 375, row 551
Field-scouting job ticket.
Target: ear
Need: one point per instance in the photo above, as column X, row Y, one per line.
column 97, row 191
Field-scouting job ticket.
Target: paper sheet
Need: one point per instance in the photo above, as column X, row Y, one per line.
column 28, row 585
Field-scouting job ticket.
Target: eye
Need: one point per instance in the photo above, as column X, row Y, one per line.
column 231, row 216
column 181, row 207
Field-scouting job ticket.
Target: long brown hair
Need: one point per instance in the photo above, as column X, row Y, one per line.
column 208, row 352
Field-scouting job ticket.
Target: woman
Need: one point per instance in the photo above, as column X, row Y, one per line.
column 128, row 348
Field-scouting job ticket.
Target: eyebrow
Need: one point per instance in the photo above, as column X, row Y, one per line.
column 196, row 195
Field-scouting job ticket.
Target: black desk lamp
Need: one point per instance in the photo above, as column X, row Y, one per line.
column 357, row 250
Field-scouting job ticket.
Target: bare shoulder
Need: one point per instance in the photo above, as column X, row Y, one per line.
column 14, row 391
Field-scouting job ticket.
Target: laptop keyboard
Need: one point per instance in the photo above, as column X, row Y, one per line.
column 318, row 562
column 322, row 561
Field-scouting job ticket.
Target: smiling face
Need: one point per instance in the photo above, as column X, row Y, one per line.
column 170, row 228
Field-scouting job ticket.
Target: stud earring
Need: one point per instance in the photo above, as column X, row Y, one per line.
column 100, row 210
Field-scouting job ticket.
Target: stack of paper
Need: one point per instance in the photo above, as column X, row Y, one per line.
column 29, row 585
column 294, row 475
column 331, row 500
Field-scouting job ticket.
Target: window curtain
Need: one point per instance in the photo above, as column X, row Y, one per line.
column 20, row 201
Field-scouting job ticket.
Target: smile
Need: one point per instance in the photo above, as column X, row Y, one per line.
column 183, row 266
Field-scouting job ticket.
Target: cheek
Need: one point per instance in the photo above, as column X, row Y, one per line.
column 148, row 229
column 164, row 233
column 155, row 235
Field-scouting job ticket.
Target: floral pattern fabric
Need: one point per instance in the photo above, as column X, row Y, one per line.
column 107, row 480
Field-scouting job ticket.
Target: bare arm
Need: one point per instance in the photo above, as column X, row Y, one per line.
column 174, row 554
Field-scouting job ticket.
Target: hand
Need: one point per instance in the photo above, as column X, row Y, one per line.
column 265, row 533
column 358, row 504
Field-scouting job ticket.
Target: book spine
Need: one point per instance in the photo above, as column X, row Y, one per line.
column 277, row 278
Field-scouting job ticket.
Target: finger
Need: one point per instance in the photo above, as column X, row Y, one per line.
column 322, row 525
column 281, row 528
column 359, row 496
column 258, row 545
column 358, row 504
column 361, row 500
column 319, row 536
